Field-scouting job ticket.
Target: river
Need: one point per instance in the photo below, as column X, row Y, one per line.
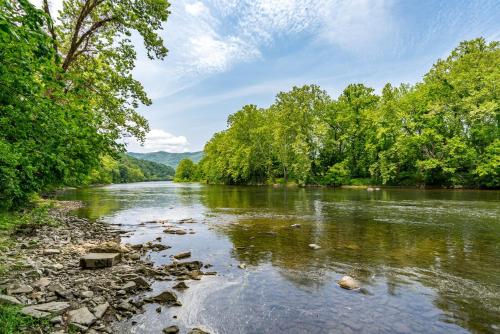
column 428, row 261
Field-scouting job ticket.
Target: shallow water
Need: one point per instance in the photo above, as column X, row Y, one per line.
column 428, row 261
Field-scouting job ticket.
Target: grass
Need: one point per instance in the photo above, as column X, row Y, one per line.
column 12, row 321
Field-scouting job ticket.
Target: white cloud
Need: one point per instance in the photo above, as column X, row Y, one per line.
column 159, row 140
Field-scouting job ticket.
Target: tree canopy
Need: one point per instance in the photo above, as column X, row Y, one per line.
column 443, row 131
column 66, row 90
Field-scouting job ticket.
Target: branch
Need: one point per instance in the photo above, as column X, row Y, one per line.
column 50, row 25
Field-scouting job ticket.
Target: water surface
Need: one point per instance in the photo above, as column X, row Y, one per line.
column 428, row 261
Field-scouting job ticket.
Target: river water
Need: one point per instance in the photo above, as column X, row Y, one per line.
column 428, row 261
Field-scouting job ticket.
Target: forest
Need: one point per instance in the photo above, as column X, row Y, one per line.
column 67, row 94
column 443, row 131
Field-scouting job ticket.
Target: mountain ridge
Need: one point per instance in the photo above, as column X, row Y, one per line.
column 168, row 158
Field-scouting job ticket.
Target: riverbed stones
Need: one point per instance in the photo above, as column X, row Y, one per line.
column 171, row 330
column 180, row 286
column 99, row 260
column 349, row 283
column 9, row 300
column 16, row 289
column 109, row 247
column 51, row 251
column 46, row 309
column 100, row 310
column 314, row 246
column 197, row 331
column 81, row 316
column 183, row 255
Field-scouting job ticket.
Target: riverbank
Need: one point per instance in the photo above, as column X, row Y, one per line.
column 44, row 288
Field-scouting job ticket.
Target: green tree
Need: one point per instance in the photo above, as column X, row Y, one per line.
column 186, row 171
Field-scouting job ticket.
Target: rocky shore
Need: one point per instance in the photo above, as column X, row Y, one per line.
column 78, row 276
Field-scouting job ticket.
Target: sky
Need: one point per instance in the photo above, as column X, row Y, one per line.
column 224, row 54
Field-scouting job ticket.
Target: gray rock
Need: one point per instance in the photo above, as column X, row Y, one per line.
column 42, row 282
column 101, row 309
column 56, row 320
column 242, row 266
column 180, row 286
column 99, row 260
column 81, row 316
column 141, row 282
column 19, row 289
column 349, row 283
column 183, row 255
column 9, row 300
column 51, row 251
column 87, row 294
column 47, row 309
column 171, row 330
column 166, row 297
column 125, row 306
column 314, row 246
column 128, row 286
column 197, row 331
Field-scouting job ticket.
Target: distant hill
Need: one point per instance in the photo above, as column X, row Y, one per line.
column 167, row 158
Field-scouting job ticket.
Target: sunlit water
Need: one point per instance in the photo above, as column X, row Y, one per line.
column 428, row 261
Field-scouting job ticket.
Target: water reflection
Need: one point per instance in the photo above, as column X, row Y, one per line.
column 428, row 260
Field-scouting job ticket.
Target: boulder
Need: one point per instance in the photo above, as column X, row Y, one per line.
column 314, row 246
column 171, row 330
column 99, row 260
column 183, row 255
column 349, row 283
column 9, row 300
column 81, row 316
column 46, row 309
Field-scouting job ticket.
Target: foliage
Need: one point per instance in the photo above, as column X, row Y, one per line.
column 187, row 171
column 127, row 169
column 66, row 90
column 168, row 158
column 12, row 321
column 443, row 131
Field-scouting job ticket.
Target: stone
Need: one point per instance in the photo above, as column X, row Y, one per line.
column 134, row 256
column 81, row 316
column 180, row 286
column 9, row 300
column 171, row 330
column 100, row 310
column 125, row 306
column 141, row 282
column 314, row 246
column 42, row 282
column 197, row 331
column 99, row 260
column 19, row 289
column 87, row 294
column 242, row 266
column 166, row 297
column 109, row 247
column 349, row 283
column 51, row 251
column 295, row 225
column 56, row 320
column 183, row 255
column 128, row 286
column 46, row 309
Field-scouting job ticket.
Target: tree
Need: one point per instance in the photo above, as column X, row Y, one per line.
column 186, row 171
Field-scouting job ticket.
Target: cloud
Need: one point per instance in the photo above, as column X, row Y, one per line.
column 159, row 140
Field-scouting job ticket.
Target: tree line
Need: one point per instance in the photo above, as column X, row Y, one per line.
column 66, row 91
column 442, row 131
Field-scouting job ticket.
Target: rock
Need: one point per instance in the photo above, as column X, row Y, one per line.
column 125, row 306
column 128, row 286
column 242, row 266
column 166, row 297
column 9, row 300
column 100, row 310
column 183, row 255
column 180, row 286
column 314, row 246
column 19, row 289
column 81, row 316
column 57, row 266
column 197, row 331
column 56, row 320
column 99, row 260
column 42, row 282
column 349, row 283
column 295, row 225
column 171, row 330
column 51, row 251
column 158, row 309
column 87, row 294
column 141, row 282
column 109, row 247
column 59, row 290
column 47, row 309
column 134, row 256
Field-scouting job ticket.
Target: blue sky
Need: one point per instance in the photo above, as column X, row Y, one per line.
column 228, row 53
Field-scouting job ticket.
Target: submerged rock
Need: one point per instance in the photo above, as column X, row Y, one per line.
column 171, row 330
column 183, row 255
column 197, row 331
column 314, row 246
column 180, row 286
column 349, row 283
